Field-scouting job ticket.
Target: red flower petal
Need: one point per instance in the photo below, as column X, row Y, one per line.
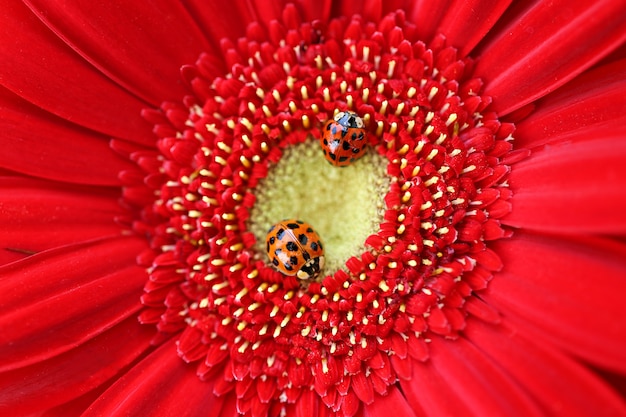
column 74, row 407
column 266, row 11
column 465, row 22
column 75, row 291
column 570, row 290
column 461, row 380
column 308, row 404
column 65, row 377
column 429, row 394
column 393, row 404
column 164, row 37
column 36, row 143
column 545, row 45
column 571, row 187
column 591, row 106
column 478, row 382
column 45, row 71
column 162, row 385
column 561, row 385
column 70, row 215
column 428, row 15
column 222, row 20
column 315, row 10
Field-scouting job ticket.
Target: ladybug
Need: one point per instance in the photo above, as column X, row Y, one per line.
column 294, row 248
column 343, row 139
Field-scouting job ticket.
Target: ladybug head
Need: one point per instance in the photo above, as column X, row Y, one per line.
column 349, row 119
column 311, row 269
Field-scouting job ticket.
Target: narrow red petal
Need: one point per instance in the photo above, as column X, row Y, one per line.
column 164, row 37
column 63, row 378
column 160, row 385
column 465, row 23
column 222, row 19
column 349, row 404
column 318, row 10
column 427, row 16
column 362, row 386
column 478, row 381
column 392, row 404
column 37, row 143
column 542, row 47
column 373, row 10
column 54, row 301
column 229, row 406
column 308, row 404
column 571, row 187
column 71, row 214
column 569, row 289
column 429, row 394
column 616, row 55
column 562, row 386
column 590, row 106
column 266, row 11
column 42, row 69
column 73, row 408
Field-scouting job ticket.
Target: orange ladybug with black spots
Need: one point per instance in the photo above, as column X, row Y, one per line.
column 294, row 248
column 344, row 139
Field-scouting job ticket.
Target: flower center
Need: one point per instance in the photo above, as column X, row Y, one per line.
column 344, row 205
column 406, row 228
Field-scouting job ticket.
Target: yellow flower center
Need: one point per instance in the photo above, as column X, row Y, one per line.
column 344, row 205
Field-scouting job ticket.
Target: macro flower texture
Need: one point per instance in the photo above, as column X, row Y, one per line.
column 474, row 256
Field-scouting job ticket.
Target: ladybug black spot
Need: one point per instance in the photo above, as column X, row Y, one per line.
column 303, row 239
column 291, row 246
column 345, row 145
column 314, row 246
column 293, row 226
column 293, row 260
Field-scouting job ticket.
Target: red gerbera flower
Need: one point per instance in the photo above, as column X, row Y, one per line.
column 474, row 255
